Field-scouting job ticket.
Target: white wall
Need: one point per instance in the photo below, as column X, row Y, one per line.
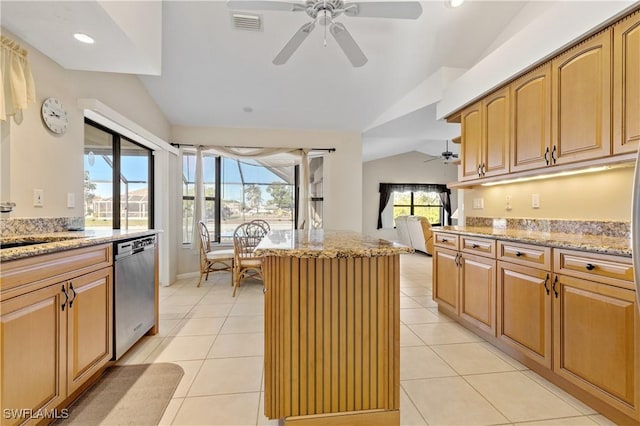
column 34, row 158
column 342, row 184
column 404, row 168
column 42, row 160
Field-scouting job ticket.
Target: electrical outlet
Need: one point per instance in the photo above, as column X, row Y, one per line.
column 535, row 201
column 71, row 200
column 38, row 198
column 508, row 202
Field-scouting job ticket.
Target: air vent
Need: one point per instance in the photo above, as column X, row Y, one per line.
column 245, row 22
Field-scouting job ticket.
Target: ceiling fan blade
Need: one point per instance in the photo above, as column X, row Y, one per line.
column 389, row 9
column 293, row 44
column 348, row 44
column 265, row 5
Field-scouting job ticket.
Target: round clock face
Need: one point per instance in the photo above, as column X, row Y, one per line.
column 54, row 116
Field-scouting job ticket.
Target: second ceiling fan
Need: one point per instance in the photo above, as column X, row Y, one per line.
column 323, row 12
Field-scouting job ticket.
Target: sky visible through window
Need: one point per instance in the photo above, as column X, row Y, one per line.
column 134, row 168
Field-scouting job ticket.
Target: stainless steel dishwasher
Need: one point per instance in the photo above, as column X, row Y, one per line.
column 134, row 292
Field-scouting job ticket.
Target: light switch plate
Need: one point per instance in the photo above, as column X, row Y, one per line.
column 478, row 203
column 38, row 198
column 535, row 201
column 508, row 202
column 71, row 200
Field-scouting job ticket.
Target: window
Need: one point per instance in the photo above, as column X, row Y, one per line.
column 237, row 191
column 116, row 168
column 418, row 203
column 431, row 200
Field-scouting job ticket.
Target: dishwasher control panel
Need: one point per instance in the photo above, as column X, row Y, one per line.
column 136, row 245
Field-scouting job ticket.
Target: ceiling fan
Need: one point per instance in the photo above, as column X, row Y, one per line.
column 324, row 12
column 446, row 155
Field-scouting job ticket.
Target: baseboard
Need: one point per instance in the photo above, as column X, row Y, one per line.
column 187, row 275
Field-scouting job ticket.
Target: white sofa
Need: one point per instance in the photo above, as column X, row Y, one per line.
column 415, row 231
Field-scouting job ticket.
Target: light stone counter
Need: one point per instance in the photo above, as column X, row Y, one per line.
column 326, row 244
column 60, row 241
column 591, row 243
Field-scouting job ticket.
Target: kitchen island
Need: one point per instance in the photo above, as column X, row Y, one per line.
column 332, row 327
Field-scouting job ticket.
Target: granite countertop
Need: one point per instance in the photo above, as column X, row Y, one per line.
column 59, row 241
column 592, row 243
column 326, row 244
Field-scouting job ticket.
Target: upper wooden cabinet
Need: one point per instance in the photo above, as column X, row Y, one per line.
column 531, row 120
column 581, row 90
column 626, row 84
column 485, row 136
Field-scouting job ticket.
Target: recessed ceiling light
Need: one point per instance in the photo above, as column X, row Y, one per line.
column 83, row 38
column 247, row 109
column 454, row 3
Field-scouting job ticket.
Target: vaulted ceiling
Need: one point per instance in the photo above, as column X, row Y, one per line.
column 205, row 72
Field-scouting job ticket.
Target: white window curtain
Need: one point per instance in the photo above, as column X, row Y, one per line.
column 198, row 204
column 17, row 89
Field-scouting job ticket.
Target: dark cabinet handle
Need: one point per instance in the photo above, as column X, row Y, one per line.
column 546, row 156
column 474, row 246
column 554, row 157
column 546, row 280
column 456, row 259
column 589, row 267
column 518, row 254
column 479, row 170
column 484, row 169
column 66, row 296
column 555, row 291
column 73, row 290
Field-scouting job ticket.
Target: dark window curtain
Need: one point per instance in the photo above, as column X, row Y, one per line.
column 386, row 189
column 445, row 197
column 385, row 195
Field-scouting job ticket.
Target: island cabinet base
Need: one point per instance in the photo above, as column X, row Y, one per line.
column 332, row 339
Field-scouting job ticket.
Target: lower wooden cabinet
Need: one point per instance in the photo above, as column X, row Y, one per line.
column 446, row 278
column 89, row 319
column 32, row 349
column 54, row 336
column 576, row 321
column 524, row 310
column 595, row 338
column 478, row 291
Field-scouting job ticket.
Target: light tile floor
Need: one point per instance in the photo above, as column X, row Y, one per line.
column 449, row 376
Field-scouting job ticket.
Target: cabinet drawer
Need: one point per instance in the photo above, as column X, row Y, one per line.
column 602, row 268
column 480, row 246
column 18, row 276
column 445, row 240
column 525, row 254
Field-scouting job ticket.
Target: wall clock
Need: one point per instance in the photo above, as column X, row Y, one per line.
column 54, row 116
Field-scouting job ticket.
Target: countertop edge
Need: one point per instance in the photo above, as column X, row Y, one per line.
column 331, row 253
column 73, row 242
column 554, row 241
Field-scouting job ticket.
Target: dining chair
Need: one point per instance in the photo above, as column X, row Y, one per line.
column 262, row 223
column 213, row 261
column 245, row 239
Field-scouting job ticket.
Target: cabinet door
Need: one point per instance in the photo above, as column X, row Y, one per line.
column 595, row 334
column 626, row 84
column 531, row 120
column 524, row 310
column 478, row 291
column 496, row 136
column 471, row 126
column 581, row 120
column 32, row 349
column 89, row 326
column 445, row 279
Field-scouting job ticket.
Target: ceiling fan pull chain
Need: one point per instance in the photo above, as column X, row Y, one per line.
column 325, row 28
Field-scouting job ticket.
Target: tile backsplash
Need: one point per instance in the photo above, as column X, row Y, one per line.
column 38, row 225
column 586, row 227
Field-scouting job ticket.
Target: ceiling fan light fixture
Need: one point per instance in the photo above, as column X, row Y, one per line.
column 453, row 3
